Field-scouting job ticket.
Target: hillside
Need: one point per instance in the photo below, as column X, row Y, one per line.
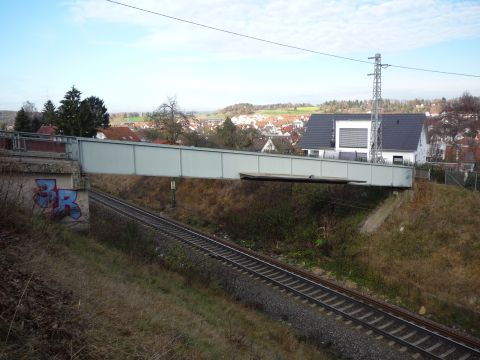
column 7, row 117
column 424, row 257
column 68, row 296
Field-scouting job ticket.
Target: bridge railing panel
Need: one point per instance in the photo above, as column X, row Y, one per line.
column 151, row 162
column 208, row 164
column 101, row 156
column 306, row 166
column 231, row 163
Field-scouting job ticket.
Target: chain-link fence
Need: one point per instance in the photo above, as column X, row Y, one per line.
column 422, row 174
column 449, row 176
column 468, row 179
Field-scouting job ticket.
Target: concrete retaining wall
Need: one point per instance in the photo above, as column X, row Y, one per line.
column 51, row 187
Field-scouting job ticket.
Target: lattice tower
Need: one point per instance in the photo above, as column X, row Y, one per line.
column 376, row 118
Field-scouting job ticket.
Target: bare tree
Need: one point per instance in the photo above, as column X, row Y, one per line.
column 170, row 119
column 459, row 124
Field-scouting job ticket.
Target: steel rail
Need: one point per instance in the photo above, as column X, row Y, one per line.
column 386, row 315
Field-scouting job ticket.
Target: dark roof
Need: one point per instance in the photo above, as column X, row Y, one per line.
column 400, row 131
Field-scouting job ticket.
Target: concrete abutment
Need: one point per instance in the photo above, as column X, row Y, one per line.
column 54, row 187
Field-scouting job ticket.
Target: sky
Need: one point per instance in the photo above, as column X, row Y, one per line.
column 134, row 60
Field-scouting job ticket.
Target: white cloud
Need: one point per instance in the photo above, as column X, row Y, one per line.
column 342, row 27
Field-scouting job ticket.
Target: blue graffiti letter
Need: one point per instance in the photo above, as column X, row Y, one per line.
column 67, row 205
column 46, row 195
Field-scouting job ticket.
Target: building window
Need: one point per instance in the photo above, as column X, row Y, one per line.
column 314, row 153
column 398, row 160
column 354, row 138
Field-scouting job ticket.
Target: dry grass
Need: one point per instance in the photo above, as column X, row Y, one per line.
column 430, row 249
column 426, row 254
column 138, row 310
column 121, row 307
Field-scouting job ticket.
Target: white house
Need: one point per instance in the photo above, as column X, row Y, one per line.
column 297, row 124
column 348, row 137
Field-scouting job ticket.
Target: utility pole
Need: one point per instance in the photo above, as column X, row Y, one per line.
column 376, row 118
column 173, row 187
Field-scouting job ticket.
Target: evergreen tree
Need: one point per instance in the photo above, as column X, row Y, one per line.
column 22, row 121
column 27, row 118
column 68, row 113
column 76, row 117
column 35, row 124
column 228, row 134
column 49, row 113
column 232, row 137
column 101, row 118
column 86, row 121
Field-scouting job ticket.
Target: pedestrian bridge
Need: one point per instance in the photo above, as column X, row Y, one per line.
column 133, row 158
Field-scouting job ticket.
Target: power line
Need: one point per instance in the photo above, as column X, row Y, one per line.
column 283, row 44
column 238, row 34
column 429, row 70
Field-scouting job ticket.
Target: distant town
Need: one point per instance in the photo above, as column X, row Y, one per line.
column 442, row 130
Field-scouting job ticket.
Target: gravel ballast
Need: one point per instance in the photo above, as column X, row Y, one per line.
column 314, row 324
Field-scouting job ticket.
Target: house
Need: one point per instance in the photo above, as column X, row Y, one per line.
column 47, row 130
column 347, row 137
column 297, row 124
column 466, row 151
column 273, row 144
column 117, row 133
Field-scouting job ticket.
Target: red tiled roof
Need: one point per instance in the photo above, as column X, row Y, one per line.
column 467, row 153
column 162, row 141
column 47, row 130
column 120, row 133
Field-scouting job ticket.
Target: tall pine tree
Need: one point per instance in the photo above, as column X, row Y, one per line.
column 76, row 117
column 49, row 113
column 68, row 113
column 23, row 121
column 27, row 119
column 101, row 118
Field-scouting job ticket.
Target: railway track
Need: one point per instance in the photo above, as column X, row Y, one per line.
column 421, row 337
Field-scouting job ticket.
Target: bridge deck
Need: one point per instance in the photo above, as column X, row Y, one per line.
column 129, row 158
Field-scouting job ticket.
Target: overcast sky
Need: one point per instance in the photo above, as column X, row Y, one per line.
column 134, row 60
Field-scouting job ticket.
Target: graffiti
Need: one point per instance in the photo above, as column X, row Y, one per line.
column 61, row 201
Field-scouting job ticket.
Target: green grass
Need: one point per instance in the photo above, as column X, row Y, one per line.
column 299, row 111
column 135, row 119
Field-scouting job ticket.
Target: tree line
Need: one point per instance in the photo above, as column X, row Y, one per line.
column 172, row 123
column 74, row 116
column 346, row 106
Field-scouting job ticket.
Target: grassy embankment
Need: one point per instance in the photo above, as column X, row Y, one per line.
column 425, row 255
column 69, row 296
